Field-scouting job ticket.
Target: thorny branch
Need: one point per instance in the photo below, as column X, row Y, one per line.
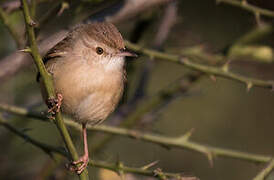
column 265, row 172
column 243, row 46
column 178, row 142
column 117, row 167
column 185, row 60
column 47, row 80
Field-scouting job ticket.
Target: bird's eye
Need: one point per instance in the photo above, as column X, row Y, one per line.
column 99, row 50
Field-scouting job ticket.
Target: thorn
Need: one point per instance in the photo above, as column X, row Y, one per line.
column 189, row 133
column 258, row 18
column 120, row 170
column 209, row 156
column 64, row 6
column 145, row 167
column 225, row 67
column 186, row 136
column 26, row 50
column 213, row 78
column 159, row 173
column 32, row 23
column 249, row 86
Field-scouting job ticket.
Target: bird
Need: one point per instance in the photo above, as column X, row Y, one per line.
column 88, row 72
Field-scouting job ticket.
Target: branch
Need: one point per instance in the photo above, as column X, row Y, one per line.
column 117, row 167
column 181, row 142
column 255, row 34
column 259, row 53
column 16, row 36
column 48, row 149
column 158, row 173
column 246, row 6
column 47, row 80
column 214, row 70
column 265, row 172
column 22, row 112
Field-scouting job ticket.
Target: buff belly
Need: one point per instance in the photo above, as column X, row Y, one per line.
column 88, row 100
column 94, row 108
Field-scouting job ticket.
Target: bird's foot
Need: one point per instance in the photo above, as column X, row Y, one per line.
column 54, row 105
column 84, row 163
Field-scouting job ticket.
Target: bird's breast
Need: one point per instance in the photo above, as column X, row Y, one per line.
column 89, row 94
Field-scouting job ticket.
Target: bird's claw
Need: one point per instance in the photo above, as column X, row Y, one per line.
column 54, row 105
column 79, row 169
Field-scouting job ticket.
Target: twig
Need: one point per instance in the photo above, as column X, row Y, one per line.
column 255, row 34
column 240, row 46
column 48, row 149
column 246, row 6
column 178, row 142
column 218, row 71
column 265, row 172
column 120, row 167
column 16, row 36
column 117, row 167
column 22, row 112
column 48, row 85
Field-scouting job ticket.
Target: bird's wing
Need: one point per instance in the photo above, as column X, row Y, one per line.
column 58, row 51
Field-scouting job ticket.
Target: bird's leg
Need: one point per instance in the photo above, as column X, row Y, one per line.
column 54, row 104
column 85, row 158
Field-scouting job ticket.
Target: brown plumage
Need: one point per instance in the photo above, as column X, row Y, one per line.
column 88, row 72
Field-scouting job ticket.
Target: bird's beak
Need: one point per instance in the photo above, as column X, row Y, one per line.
column 126, row 53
